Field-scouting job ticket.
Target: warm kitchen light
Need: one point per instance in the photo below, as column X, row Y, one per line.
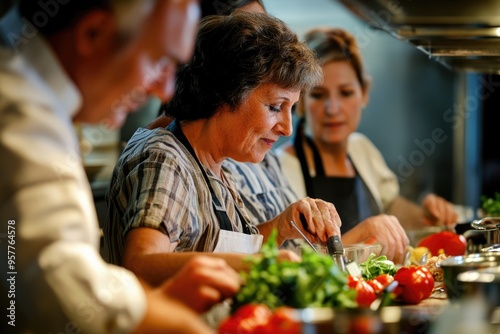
column 497, row 31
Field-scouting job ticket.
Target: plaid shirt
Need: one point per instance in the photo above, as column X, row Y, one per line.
column 156, row 183
column 263, row 187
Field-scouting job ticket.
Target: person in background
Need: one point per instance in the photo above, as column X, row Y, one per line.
column 169, row 197
column 68, row 62
column 330, row 160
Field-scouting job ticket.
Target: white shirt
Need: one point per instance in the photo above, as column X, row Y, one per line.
column 371, row 166
column 60, row 279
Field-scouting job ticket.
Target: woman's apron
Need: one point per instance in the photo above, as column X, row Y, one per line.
column 350, row 195
column 248, row 242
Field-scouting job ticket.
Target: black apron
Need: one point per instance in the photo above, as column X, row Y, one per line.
column 222, row 217
column 350, row 195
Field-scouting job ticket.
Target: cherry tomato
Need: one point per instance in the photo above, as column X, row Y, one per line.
column 352, row 281
column 415, row 284
column 384, row 279
column 365, row 294
column 446, row 242
column 248, row 319
column 283, row 321
column 376, row 285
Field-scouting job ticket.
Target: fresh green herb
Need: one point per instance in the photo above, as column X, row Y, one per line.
column 491, row 205
column 374, row 267
column 316, row 281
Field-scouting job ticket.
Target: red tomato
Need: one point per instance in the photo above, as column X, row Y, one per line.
column 248, row 319
column 445, row 242
column 352, row 281
column 376, row 285
column 283, row 321
column 365, row 294
column 384, row 279
column 415, row 284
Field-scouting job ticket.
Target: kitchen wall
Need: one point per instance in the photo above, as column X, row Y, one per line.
column 409, row 117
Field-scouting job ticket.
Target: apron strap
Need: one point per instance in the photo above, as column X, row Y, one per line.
column 222, row 217
column 299, row 150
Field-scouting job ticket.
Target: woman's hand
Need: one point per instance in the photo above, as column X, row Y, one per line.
column 288, row 255
column 438, row 211
column 386, row 230
column 322, row 219
column 203, row 282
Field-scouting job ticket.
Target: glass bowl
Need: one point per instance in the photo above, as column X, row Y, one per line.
column 360, row 252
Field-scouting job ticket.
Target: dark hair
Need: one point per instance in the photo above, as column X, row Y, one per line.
column 50, row 17
column 335, row 44
column 234, row 55
column 224, row 7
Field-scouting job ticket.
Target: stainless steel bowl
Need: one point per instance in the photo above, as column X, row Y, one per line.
column 484, row 283
column 455, row 265
column 389, row 319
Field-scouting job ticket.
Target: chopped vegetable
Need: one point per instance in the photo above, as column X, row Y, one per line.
column 491, row 205
column 374, row 267
column 316, row 281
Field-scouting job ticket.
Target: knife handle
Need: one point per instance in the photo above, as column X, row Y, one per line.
column 334, row 245
column 303, row 220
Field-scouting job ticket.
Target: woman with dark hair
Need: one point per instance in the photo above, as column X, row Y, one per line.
column 170, row 197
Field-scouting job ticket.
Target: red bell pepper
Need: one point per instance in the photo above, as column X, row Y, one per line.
column 415, row 283
column 446, row 242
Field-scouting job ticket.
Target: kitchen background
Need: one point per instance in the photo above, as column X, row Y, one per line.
column 435, row 126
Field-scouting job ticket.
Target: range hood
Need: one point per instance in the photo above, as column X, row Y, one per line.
column 462, row 35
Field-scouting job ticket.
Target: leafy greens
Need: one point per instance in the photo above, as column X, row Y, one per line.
column 374, row 267
column 316, row 281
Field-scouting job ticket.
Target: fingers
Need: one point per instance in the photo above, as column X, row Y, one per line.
column 389, row 233
column 288, row 255
column 441, row 212
column 321, row 218
column 203, row 282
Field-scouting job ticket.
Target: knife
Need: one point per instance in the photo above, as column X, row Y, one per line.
column 335, row 248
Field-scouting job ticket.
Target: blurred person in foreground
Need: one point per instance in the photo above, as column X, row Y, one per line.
column 75, row 62
column 330, row 160
column 170, row 198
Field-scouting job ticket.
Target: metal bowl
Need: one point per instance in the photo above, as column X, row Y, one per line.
column 389, row 319
column 455, row 265
column 484, row 283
